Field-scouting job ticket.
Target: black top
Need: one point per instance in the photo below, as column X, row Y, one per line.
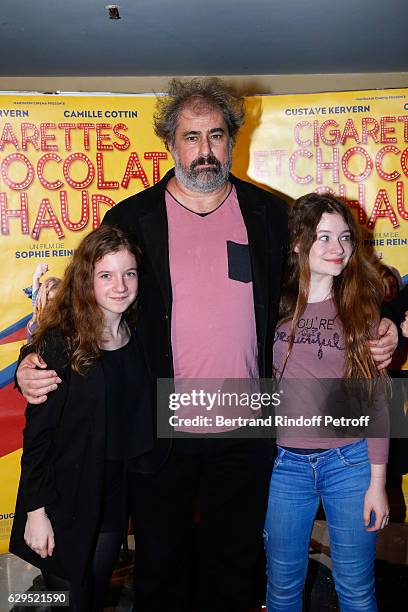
column 125, row 384
column 63, row 466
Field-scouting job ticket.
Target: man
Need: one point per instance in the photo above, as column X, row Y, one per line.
column 214, row 249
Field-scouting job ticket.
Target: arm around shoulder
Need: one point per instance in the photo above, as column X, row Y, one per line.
column 35, row 376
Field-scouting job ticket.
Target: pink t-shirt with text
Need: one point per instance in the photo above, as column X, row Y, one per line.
column 317, row 359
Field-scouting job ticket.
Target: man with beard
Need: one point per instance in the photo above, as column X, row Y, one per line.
column 213, row 255
column 214, row 248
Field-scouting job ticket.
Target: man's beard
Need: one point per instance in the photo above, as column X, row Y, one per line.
column 204, row 180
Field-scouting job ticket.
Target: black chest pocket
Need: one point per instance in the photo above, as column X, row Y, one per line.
column 239, row 262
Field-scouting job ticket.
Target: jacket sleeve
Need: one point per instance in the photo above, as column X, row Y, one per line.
column 124, row 215
column 25, row 350
column 396, row 309
column 117, row 215
column 37, row 483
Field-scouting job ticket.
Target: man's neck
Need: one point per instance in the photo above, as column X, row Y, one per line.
column 196, row 201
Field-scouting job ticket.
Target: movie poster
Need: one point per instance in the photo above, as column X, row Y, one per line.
column 66, row 159
column 354, row 144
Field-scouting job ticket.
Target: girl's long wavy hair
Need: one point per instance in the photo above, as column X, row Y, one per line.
column 74, row 311
column 357, row 292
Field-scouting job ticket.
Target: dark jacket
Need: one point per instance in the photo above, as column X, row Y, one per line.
column 399, row 306
column 62, row 466
column 144, row 214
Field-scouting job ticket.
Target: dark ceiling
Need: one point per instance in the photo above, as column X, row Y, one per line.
column 180, row 37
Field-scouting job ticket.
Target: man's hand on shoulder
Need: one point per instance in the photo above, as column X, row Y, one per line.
column 404, row 325
column 34, row 380
column 383, row 347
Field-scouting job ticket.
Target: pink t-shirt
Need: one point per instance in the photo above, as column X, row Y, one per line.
column 317, row 359
column 213, row 319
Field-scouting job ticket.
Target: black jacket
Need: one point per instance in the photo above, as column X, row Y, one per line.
column 399, row 306
column 62, row 466
column 144, row 214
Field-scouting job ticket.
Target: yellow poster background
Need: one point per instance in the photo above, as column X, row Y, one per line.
column 352, row 143
column 65, row 159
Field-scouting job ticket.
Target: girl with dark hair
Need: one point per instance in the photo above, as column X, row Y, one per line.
column 329, row 307
column 70, row 517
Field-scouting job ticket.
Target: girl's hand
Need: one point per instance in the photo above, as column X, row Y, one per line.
column 376, row 501
column 38, row 534
column 404, row 325
column 41, row 269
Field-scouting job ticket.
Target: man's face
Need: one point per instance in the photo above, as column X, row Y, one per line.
column 202, row 149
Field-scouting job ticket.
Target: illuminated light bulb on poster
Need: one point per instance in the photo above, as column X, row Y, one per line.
column 6, row 163
column 27, row 138
column 384, row 130
column 378, row 212
column 21, row 213
column 350, row 132
column 40, row 171
column 67, row 127
column 86, row 127
column 42, row 222
column 386, row 176
column 131, row 173
column 321, row 165
column 96, row 199
column 100, row 137
column 155, row 156
column 79, row 225
column 8, row 137
column 302, row 180
column 89, row 177
column 345, row 162
column 126, row 142
column 102, row 184
column 46, row 137
column 400, row 201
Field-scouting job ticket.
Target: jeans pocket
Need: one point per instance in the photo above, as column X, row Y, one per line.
column 354, row 455
column 265, row 537
column 278, row 458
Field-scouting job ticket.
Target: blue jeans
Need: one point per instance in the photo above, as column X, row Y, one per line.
column 339, row 477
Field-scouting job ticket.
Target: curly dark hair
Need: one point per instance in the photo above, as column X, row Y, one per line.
column 208, row 93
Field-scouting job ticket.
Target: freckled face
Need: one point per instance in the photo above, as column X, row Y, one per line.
column 115, row 282
column 331, row 251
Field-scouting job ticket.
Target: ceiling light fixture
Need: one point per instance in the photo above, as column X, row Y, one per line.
column 113, row 11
